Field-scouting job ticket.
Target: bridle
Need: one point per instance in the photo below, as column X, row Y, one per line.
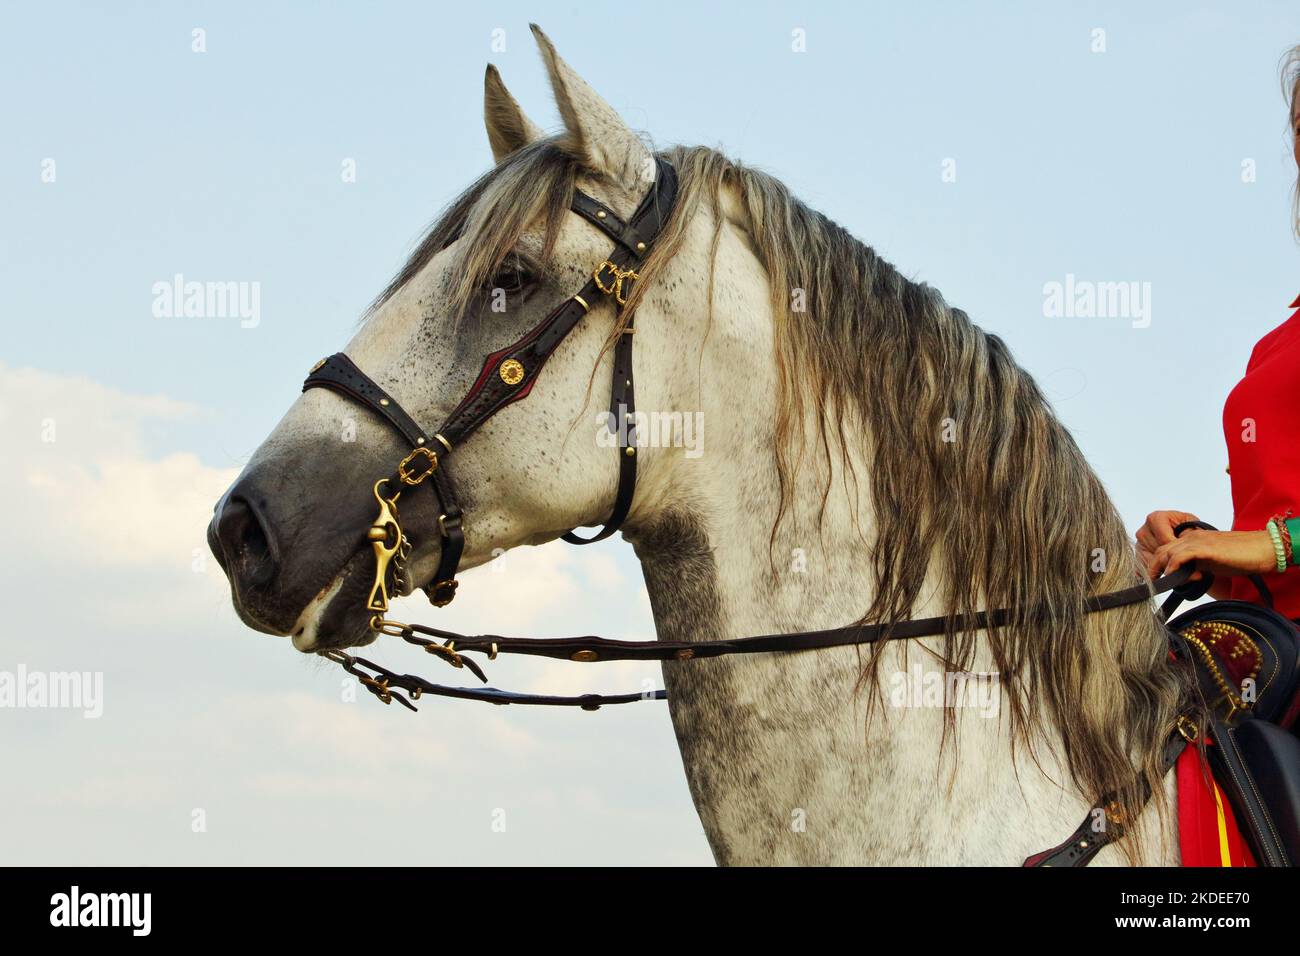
column 507, row 376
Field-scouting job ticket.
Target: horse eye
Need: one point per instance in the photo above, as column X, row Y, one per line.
column 513, row 275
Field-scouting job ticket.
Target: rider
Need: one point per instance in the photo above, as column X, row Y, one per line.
column 1262, row 428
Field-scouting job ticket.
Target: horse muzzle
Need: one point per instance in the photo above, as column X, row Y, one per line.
column 290, row 575
column 241, row 539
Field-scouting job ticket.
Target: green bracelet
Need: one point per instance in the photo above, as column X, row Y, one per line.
column 1293, row 527
column 1279, row 550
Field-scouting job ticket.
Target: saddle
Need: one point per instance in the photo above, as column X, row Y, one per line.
column 1246, row 658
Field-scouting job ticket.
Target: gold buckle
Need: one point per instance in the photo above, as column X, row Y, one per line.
column 1187, row 727
column 1115, row 813
column 382, row 690
column 412, row 478
column 447, row 652
column 615, row 287
column 443, row 593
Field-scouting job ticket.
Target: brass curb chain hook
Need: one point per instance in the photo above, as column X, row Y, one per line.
column 392, row 548
column 386, row 538
column 390, row 545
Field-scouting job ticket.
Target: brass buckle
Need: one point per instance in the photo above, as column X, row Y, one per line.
column 414, row 478
column 447, row 652
column 1187, row 727
column 381, row 688
column 1114, row 813
column 617, row 275
column 443, row 593
column 600, row 284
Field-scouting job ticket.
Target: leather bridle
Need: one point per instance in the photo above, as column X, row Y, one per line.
column 507, row 376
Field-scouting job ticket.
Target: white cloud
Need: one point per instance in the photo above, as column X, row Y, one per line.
column 87, row 492
column 202, row 712
column 116, row 790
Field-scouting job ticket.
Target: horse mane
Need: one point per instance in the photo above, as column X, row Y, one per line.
column 974, row 481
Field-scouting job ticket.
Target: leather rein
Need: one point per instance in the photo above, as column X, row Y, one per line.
column 507, row 376
column 450, row 647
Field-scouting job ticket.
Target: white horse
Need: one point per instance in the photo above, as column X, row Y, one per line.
column 870, row 454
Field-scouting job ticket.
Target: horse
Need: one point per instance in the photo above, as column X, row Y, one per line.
column 872, row 455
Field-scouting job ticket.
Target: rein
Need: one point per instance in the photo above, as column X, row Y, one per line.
column 384, row 683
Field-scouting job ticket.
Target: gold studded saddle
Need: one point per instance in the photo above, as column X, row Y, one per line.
column 1246, row 657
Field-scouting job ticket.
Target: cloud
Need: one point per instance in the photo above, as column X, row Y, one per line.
column 364, row 739
column 117, row 790
column 200, row 712
column 82, row 411
column 87, row 491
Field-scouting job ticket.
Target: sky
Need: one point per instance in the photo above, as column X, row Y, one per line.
column 989, row 149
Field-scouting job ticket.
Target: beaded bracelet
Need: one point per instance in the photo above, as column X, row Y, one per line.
column 1283, row 532
column 1279, row 550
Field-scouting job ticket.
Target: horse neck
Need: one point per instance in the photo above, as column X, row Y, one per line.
column 781, row 759
column 782, row 762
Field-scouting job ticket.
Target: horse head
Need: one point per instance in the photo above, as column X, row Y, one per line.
column 292, row 531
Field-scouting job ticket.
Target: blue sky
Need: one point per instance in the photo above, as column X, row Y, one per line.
column 1123, row 165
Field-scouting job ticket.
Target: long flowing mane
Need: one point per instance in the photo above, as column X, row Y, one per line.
column 974, row 482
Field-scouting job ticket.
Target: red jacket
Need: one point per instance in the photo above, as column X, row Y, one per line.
column 1261, row 423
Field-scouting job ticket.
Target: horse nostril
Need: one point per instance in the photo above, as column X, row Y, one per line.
column 246, row 543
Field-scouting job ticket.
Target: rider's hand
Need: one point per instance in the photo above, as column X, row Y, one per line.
column 1219, row 552
column 1159, row 530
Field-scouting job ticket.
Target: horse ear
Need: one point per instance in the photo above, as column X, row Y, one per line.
column 595, row 134
column 508, row 128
